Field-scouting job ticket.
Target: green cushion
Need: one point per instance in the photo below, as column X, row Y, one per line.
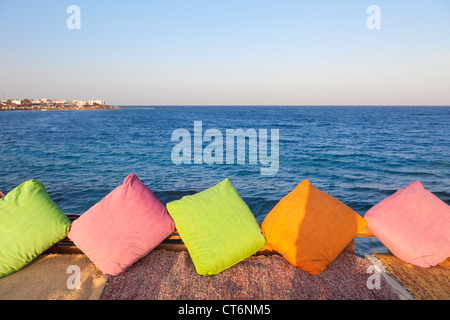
column 217, row 227
column 30, row 223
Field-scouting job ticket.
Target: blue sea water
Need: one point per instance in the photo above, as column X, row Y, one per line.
column 359, row 155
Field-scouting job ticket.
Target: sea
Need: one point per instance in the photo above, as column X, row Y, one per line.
column 358, row 154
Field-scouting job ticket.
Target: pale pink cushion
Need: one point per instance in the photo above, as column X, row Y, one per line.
column 122, row 228
column 413, row 224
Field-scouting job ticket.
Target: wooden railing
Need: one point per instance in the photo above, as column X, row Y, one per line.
column 172, row 243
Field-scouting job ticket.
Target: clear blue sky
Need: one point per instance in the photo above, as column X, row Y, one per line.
column 230, row 52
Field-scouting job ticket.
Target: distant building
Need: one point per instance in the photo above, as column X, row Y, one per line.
column 78, row 103
column 88, row 102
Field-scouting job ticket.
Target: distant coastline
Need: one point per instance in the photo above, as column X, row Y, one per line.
column 53, row 105
column 55, row 108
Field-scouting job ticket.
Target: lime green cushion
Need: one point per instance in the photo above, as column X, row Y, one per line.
column 30, row 223
column 217, row 227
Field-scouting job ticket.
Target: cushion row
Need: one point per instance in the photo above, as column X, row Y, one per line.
column 308, row 227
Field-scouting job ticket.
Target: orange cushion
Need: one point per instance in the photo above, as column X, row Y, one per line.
column 310, row 228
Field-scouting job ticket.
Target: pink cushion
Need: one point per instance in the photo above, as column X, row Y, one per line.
column 413, row 224
column 122, row 228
